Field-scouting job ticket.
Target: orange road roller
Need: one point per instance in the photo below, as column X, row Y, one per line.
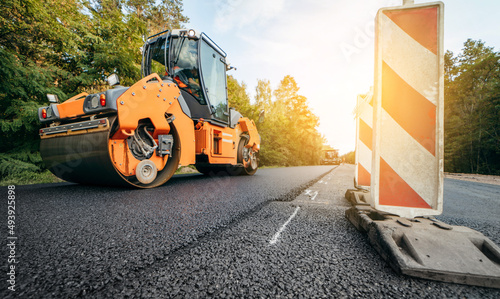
column 176, row 115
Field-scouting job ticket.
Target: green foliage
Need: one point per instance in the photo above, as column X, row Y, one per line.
column 472, row 110
column 297, row 124
column 65, row 48
column 21, row 166
column 349, row 158
column 238, row 98
column 28, row 177
column 289, row 135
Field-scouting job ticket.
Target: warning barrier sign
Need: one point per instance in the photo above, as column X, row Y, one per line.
column 364, row 136
column 407, row 166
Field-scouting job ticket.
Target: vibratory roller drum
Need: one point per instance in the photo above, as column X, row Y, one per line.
column 138, row 146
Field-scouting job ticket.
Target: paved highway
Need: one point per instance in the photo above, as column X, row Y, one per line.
column 268, row 235
column 474, row 205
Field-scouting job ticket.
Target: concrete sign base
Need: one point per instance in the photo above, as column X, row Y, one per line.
column 358, row 196
column 427, row 248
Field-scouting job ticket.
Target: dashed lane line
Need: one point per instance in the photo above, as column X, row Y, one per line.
column 282, row 228
column 314, row 196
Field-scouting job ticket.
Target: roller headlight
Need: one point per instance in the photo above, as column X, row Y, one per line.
column 94, row 102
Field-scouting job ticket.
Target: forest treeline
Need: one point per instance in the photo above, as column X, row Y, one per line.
column 66, row 48
column 472, row 110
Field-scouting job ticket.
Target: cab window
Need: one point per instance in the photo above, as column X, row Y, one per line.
column 156, row 57
column 214, row 78
column 185, row 68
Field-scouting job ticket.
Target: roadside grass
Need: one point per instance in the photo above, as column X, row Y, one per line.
column 29, row 177
column 186, row 169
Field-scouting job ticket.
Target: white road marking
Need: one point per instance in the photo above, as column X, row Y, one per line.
column 315, row 194
column 282, row 228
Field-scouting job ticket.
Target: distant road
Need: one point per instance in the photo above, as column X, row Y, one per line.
column 472, row 204
column 272, row 235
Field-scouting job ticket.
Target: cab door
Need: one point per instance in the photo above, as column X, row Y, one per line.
column 213, row 73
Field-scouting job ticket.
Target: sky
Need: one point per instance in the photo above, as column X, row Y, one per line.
column 326, row 45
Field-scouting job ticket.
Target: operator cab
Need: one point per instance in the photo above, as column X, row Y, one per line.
column 198, row 67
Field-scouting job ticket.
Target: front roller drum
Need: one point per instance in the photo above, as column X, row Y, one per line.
column 85, row 159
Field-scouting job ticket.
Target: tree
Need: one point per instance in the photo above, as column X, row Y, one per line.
column 64, row 49
column 301, row 124
column 263, row 94
column 39, row 51
column 349, row 157
column 238, row 97
column 472, row 109
column 289, row 135
column 289, row 132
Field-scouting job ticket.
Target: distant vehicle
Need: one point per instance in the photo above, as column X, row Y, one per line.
column 330, row 157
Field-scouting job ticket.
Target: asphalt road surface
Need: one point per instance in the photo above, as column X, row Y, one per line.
column 474, row 205
column 265, row 236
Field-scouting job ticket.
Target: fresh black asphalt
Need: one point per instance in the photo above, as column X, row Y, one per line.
column 474, row 205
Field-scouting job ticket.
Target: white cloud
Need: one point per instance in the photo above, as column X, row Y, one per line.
column 240, row 13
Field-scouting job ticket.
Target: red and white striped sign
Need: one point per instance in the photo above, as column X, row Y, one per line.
column 364, row 136
column 407, row 169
